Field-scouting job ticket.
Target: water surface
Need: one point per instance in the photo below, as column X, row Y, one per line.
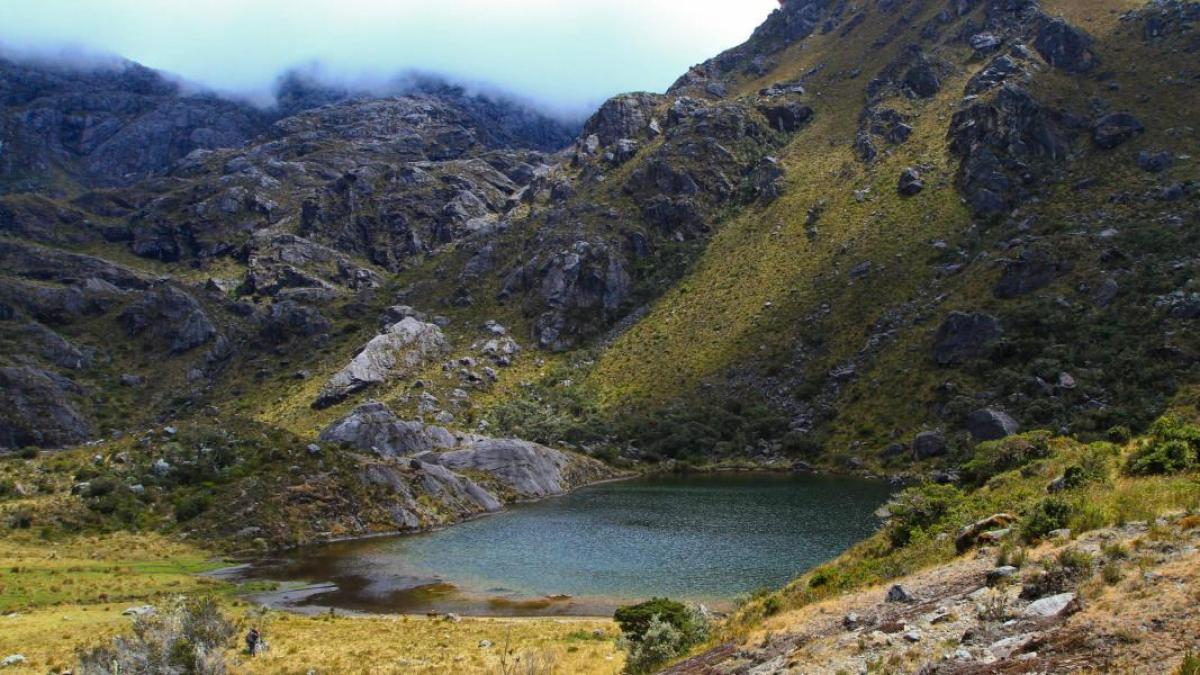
column 702, row 538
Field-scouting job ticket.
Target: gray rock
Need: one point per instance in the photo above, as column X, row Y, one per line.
column 898, row 593
column 12, row 660
column 37, row 408
column 1051, row 607
column 1115, row 128
column 989, row 424
column 1002, row 649
column 910, row 182
column 1155, row 162
column 528, row 468
column 1000, row 574
column 965, row 336
column 142, row 610
column 1066, row 47
column 928, row 444
column 786, row 116
column 171, row 317
column 160, row 467
column 373, row 427
column 405, row 347
column 1033, row 269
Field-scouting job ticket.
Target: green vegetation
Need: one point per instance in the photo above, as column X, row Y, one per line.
column 658, row 630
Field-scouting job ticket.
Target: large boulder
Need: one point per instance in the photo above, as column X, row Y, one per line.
column 1032, row 270
column 404, row 348
column 989, row 424
column 373, row 427
column 36, row 409
column 287, row 319
column 1065, row 46
column 928, row 444
column 963, row 336
column 171, row 317
column 1114, row 129
column 786, row 116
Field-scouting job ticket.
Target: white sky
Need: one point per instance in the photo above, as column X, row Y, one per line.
column 571, row 54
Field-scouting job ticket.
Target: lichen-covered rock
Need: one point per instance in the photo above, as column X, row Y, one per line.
column 405, row 347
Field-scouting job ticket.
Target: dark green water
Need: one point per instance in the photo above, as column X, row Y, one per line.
column 702, row 538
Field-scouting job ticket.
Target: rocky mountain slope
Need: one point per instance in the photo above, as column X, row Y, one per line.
column 876, row 234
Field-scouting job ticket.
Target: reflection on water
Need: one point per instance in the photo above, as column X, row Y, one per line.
column 702, row 538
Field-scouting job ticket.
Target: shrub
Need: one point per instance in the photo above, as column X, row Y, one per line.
column 1059, row 575
column 919, row 509
column 28, row 452
column 1172, row 448
column 772, row 605
column 658, row 630
column 1052, row 513
column 1163, row 457
column 7, row 488
column 189, row 637
column 1010, row 555
column 21, row 519
column 660, row 643
column 634, row 620
column 1010, row 453
column 189, row 506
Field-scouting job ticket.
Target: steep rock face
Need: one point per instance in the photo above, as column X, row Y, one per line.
column 405, row 346
column 36, row 410
column 108, row 125
column 580, row 289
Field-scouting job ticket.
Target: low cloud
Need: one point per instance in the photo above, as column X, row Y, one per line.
column 566, row 55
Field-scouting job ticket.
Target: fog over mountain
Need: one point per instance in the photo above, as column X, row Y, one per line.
column 569, row 56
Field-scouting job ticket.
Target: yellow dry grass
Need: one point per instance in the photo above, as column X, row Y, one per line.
column 56, row 598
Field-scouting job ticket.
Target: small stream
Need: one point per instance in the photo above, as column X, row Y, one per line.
column 704, row 538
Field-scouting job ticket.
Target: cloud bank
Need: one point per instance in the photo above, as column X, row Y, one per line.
column 568, row 54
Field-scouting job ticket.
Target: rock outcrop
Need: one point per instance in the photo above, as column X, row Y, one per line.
column 399, row 352
column 36, row 409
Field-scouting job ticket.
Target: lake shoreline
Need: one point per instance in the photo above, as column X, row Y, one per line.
column 715, row 535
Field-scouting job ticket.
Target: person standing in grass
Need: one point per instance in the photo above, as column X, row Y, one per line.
column 252, row 641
